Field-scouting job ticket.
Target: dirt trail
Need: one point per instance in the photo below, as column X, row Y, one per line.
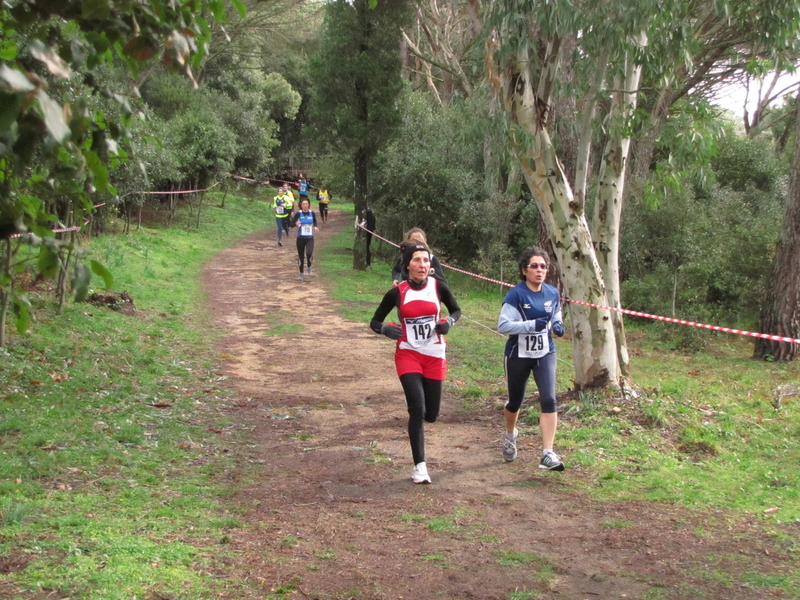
column 334, row 514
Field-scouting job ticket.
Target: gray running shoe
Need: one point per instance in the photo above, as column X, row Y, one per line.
column 510, row 446
column 300, row 276
column 420, row 473
column 552, row 462
column 308, row 271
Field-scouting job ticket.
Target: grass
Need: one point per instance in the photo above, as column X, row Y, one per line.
column 106, row 474
column 109, row 450
column 527, row 560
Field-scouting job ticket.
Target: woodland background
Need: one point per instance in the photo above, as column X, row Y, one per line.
column 405, row 107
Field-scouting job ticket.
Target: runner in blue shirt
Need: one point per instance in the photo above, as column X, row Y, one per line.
column 306, row 222
column 531, row 313
column 302, row 188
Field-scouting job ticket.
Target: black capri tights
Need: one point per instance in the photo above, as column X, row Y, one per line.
column 544, row 374
column 423, row 397
column 305, row 245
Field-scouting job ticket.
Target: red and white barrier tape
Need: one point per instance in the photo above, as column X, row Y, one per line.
column 766, row 336
column 267, row 182
column 211, row 187
column 65, row 229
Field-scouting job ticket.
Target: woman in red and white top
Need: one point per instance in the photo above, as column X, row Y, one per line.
column 420, row 357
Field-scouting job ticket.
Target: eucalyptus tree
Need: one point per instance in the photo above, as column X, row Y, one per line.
column 443, row 48
column 543, row 55
column 357, row 78
column 540, row 52
column 50, row 140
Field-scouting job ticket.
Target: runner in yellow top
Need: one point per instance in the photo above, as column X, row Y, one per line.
column 288, row 197
column 282, row 211
column 324, row 199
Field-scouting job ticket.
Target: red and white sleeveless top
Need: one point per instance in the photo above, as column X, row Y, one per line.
column 419, row 311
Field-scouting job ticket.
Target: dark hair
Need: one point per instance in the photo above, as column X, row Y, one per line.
column 526, row 257
column 410, row 249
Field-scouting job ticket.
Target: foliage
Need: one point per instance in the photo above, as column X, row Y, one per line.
column 428, row 176
column 706, row 251
column 431, row 175
column 356, row 75
column 686, row 146
column 234, row 120
column 52, row 138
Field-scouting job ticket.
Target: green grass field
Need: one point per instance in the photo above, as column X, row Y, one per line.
column 109, row 442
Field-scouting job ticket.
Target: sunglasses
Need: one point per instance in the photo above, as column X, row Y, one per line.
column 542, row 266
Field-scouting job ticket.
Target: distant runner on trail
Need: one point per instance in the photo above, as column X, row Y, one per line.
column 281, row 211
column 531, row 311
column 288, row 196
column 420, row 357
column 302, row 187
column 306, row 221
column 323, row 200
column 370, row 223
column 414, row 235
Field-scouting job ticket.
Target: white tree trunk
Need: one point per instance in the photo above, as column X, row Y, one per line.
column 593, row 338
column 608, row 206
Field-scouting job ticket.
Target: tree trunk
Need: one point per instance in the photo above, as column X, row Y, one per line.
column 610, row 195
column 5, row 291
column 780, row 313
column 593, row 337
column 360, row 201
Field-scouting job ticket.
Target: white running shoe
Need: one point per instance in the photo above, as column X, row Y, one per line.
column 308, row 271
column 420, row 473
column 300, row 276
column 510, row 446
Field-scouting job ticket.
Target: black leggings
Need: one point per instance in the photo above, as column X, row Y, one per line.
column 423, row 397
column 518, row 370
column 305, row 245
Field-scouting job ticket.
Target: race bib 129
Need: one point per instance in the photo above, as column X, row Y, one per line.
column 532, row 345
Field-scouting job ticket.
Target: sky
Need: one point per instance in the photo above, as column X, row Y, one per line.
column 733, row 97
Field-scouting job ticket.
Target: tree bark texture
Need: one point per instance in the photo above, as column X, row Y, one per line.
column 360, row 163
column 780, row 313
column 607, row 220
column 593, row 337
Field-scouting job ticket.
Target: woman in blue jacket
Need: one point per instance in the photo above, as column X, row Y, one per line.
column 530, row 315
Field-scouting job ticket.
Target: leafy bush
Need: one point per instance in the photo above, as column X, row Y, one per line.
column 704, row 254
